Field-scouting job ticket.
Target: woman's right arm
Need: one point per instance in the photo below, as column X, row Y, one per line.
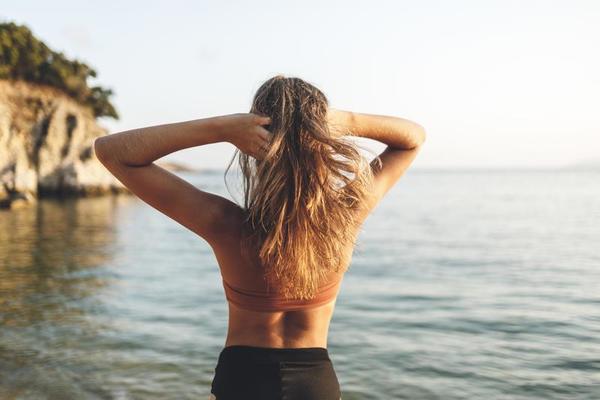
column 403, row 137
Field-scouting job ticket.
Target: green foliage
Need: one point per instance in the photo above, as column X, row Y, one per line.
column 22, row 56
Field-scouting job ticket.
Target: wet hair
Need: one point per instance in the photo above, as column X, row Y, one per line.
column 300, row 200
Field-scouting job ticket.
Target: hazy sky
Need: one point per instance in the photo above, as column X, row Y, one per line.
column 495, row 83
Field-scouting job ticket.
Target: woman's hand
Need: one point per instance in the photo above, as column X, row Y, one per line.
column 245, row 131
column 339, row 122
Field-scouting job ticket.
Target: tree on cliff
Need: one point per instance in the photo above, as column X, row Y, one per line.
column 23, row 56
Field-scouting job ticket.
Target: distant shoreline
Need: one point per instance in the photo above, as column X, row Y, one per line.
column 176, row 166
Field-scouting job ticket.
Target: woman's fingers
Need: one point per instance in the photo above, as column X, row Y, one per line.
column 261, row 151
column 265, row 134
column 264, row 142
column 264, row 139
column 264, row 120
column 260, row 140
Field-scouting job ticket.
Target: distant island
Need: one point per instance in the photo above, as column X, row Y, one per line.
column 176, row 166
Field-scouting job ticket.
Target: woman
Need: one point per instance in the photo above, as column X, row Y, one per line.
column 283, row 253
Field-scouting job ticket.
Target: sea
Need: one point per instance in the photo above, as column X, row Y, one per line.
column 464, row 284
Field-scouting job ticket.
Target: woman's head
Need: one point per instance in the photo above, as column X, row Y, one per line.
column 302, row 198
column 298, row 110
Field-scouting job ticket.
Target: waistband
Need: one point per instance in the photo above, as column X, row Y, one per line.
column 243, row 353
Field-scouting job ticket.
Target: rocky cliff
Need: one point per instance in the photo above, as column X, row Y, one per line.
column 46, row 146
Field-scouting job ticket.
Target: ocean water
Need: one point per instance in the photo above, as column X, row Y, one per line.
column 464, row 285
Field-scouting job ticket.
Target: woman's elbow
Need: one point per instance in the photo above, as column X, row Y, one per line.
column 100, row 148
column 419, row 135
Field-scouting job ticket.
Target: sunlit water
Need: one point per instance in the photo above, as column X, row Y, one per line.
column 465, row 285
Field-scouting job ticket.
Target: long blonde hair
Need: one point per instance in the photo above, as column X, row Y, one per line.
column 301, row 199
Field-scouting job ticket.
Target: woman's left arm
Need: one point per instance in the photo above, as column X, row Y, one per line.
column 130, row 157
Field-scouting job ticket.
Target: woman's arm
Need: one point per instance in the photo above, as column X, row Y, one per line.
column 142, row 146
column 129, row 157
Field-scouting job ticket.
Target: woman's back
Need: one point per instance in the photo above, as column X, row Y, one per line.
column 300, row 326
column 257, row 314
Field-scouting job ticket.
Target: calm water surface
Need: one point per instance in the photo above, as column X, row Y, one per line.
column 464, row 285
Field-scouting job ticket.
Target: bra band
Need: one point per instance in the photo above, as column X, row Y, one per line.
column 261, row 301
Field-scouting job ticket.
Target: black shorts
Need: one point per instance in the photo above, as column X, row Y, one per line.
column 264, row 373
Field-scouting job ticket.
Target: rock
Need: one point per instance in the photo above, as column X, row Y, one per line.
column 17, row 200
column 46, row 146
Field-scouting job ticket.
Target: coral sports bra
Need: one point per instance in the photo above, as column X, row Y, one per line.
column 261, row 301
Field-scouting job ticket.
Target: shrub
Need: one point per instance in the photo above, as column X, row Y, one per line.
column 23, row 56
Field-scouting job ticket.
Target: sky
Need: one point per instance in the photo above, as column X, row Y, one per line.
column 496, row 84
